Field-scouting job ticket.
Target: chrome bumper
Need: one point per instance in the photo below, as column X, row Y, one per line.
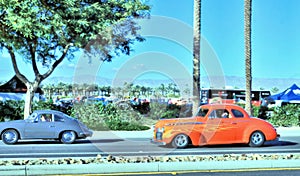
column 85, row 134
column 153, row 141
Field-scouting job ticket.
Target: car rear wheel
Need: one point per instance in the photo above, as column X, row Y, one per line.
column 257, row 139
column 180, row 141
column 68, row 137
column 10, row 136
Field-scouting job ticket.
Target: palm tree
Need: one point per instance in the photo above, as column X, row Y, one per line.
column 196, row 55
column 248, row 14
column 127, row 88
column 162, row 88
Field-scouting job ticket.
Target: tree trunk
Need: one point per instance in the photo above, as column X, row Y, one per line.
column 28, row 100
column 196, row 55
column 248, row 6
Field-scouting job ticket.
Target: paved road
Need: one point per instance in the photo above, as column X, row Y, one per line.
column 275, row 172
column 138, row 143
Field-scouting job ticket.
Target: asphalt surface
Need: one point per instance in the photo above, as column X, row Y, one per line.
column 152, row 167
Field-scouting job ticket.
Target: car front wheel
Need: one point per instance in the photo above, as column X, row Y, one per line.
column 180, row 141
column 10, row 136
column 257, row 139
column 68, row 137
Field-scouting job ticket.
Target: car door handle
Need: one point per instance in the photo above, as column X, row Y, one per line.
column 51, row 126
column 233, row 123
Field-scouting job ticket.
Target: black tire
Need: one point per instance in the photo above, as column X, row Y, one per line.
column 10, row 136
column 257, row 139
column 68, row 137
column 180, row 141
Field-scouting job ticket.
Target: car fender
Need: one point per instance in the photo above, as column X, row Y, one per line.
column 196, row 137
column 11, row 128
column 170, row 135
column 268, row 131
column 248, row 131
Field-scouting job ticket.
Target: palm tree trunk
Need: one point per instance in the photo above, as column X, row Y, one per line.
column 196, row 55
column 248, row 14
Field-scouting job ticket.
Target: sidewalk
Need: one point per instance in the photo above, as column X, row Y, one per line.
column 122, row 134
column 288, row 131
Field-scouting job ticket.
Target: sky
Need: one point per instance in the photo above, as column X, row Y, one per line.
column 167, row 51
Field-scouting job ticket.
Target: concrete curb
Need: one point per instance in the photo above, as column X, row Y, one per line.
column 146, row 167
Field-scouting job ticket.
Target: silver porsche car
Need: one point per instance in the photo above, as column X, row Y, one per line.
column 44, row 124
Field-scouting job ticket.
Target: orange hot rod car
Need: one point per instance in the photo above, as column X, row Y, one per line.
column 214, row 124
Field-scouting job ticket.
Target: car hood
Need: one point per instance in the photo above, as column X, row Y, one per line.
column 164, row 122
column 14, row 121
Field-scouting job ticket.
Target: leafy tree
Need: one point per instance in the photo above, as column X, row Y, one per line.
column 274, row 90
column 48, row 31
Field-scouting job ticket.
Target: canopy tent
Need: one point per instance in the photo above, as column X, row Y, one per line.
column 15, row 85
column 15, row 89
column 290, row 94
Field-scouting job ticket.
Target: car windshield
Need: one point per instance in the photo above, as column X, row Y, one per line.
column 31, row 117
column 202, row 112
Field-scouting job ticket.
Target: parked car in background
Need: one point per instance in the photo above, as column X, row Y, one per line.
column 214, row 124
column 64, row 104
column 44, row 124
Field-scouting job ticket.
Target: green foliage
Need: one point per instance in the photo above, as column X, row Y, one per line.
column 172, row 111
column 14, row 110
column 156, row 110
column 47, row 32
column 37, row 105
column 255, row 110
column 46, row 27
column 274, row 90
column 288, row 115
column 90, row 115
column 164, row 111
column 95, row 116
column 161, row 110
column 108, row 117
column 11, row 110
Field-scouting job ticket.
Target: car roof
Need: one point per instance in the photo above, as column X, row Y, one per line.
column 48, row 111
column 220, row 105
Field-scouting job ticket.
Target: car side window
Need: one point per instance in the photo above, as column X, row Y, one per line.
column 58, row 118
column 237, row 113
column 219, row 113
column 45, row 117
column 202, row 112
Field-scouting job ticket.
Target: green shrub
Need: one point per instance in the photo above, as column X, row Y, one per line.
column 163, row 111
column 286, row 116
column 89, row 115
column 255, row 110
column 11, row 110
column 156, row 110
column 37, row 105
column 108, row 117
column 14, row 110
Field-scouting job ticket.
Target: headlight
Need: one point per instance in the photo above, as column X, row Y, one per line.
column 161, row 130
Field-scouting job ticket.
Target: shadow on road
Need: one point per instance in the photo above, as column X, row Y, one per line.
column 24, row 142
column 101, row 141
column 267, row 144
column 279, row 143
